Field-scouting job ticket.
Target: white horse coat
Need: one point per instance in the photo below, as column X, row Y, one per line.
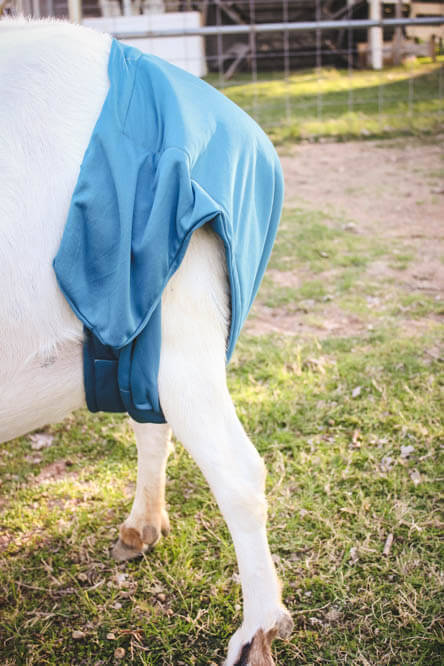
column 53, row 81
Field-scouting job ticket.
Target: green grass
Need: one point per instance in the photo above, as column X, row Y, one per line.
column 332, row 264
column 338, row 104
column 312, row 236
column 330, row 415
column 335, row 495
column 330, row 491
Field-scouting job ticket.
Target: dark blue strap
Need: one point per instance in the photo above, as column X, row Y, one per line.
column 101, row 379
column 100, row 366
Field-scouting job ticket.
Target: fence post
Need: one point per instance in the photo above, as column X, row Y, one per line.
column 376, row 35
column 397, row 41
column 75, row 11
column 127, row 8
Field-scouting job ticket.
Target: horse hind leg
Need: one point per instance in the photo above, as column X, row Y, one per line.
column 148, row 518
column 195, row 399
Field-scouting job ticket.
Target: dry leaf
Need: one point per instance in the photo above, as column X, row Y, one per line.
column 415, row 477
column 333, row 615
column 77, row 635
column 386, row 464
column 40, row 440
column 121, row 579
column 406, row 451
column 354, row 555
column 315, row 620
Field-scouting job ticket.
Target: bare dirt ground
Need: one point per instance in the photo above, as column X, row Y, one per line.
column 389, row 190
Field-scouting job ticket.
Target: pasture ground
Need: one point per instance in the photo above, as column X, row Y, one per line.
column 337, row 379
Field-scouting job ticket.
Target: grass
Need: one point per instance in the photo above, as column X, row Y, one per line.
column 337, row 104
column 338, row 485
column 332, row 263
column 311, row 236
column 332, row 417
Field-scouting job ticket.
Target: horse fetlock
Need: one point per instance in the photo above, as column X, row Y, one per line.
column 150, row 535
column 165, row 527
column 133, row 541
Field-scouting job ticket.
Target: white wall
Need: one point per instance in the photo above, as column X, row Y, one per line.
column 187, row 52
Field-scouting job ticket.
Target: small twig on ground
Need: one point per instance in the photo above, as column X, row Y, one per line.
column 388, row 545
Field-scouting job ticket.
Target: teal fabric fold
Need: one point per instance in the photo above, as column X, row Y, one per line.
column 168, row 154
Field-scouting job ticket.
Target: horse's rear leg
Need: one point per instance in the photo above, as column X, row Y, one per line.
column 196, row 402
column 148, row 518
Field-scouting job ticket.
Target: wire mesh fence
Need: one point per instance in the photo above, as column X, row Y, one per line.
column 301, row 68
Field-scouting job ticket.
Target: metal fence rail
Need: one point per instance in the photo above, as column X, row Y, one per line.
column 300, row 26
column 302, row 68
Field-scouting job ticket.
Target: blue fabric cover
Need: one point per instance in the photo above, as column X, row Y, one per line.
column 168, row 154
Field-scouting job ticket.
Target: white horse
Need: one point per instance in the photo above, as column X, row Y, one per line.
column 53, row 81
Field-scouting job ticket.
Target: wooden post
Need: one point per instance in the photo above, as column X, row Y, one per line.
column 24, row 7
column 432, row 47
column 376, row 35
column 75, row 11
column 397, row 40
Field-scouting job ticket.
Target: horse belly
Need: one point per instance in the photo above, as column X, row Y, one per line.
column 42, row 391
